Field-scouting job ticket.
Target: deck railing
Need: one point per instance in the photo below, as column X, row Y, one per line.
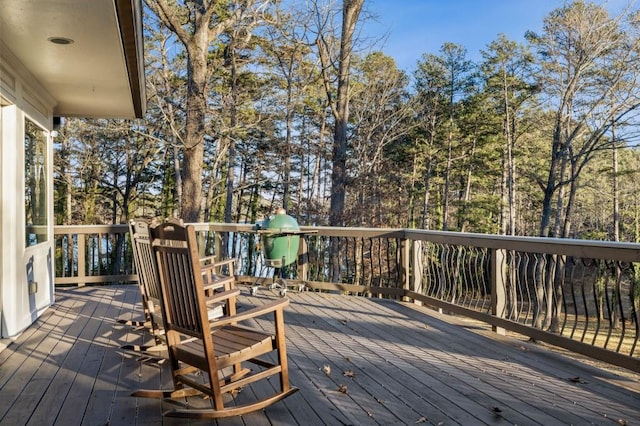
column 580, row 295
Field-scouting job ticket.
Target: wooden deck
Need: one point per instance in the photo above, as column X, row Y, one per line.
column 409, row 365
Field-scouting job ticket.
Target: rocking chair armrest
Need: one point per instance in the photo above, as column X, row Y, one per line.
column 213, row 279
column 251, row 313
column 211, row 262
column 210, row 272
column 214, row 282
column 223, row 296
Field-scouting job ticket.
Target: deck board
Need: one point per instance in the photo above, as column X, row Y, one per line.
column 548, row 380
column 410, row 365
column 422, row 389
column 453, row 388
column 457, row 371
column 375, row 389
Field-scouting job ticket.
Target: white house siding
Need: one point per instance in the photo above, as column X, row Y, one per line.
column 22, row 96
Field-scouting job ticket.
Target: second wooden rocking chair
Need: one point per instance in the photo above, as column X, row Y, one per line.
column 149, row 281
column 208, row 357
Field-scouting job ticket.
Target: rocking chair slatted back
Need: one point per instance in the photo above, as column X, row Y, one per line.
column 180, row 266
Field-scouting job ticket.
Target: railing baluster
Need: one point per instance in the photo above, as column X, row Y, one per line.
column 498, row 286
column 416, row 267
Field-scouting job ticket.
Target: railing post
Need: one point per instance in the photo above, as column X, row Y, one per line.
column 81, row 237
column 498, row 286
column 405, row 265
column 303, row 260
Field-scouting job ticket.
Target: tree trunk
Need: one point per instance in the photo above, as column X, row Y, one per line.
column 504, row 198
column 425, row 202
column 616, row 191
column 233, row 122
column 194, row 137
column 176, row 201
column 286, row 178
column 550, row 187
column 350, row 13
column 178, row 183
column 447, row 179
column 511, row 187
column 411, row 223
column 508, row 228
column 616, row 229
column 467, row 190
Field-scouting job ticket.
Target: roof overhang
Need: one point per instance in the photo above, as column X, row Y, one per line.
column 100, row 73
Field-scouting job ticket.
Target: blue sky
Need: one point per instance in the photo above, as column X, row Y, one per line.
column 415, row 27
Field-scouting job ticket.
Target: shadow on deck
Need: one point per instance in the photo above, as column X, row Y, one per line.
column 356, row 361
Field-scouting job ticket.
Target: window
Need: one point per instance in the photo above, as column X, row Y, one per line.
column 35, row 179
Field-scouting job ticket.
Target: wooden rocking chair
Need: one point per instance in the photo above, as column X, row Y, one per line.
column 207, row 357
column 150, row 291
column 149, row 284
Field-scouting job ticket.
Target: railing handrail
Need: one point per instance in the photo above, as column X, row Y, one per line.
column 94, row 229
column 623, row 251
